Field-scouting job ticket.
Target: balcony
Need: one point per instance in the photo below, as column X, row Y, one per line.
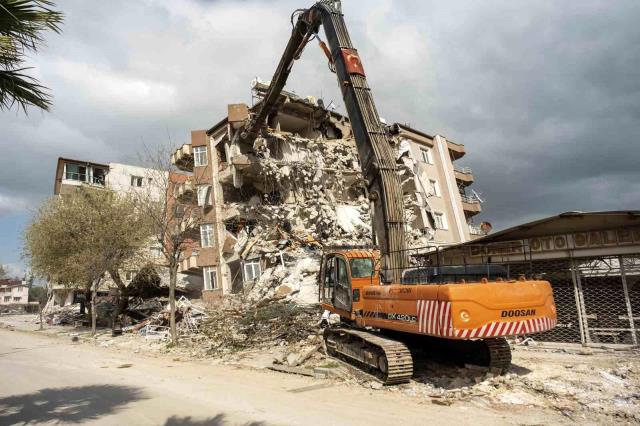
column 475, row 230
column 464, row 175
column 183, row 158
column 456, row 150
column 186, row 191
column 471, row 204
column 190, row 264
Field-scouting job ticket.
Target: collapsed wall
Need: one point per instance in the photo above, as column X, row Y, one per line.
column 287, row 197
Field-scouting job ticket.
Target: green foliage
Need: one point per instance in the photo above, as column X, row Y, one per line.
column 38, row 294
column 22, row 24
column 75, row 239
column 3, row 273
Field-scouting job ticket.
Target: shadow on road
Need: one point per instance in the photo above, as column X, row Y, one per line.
column 211, row 421
column 67, row 405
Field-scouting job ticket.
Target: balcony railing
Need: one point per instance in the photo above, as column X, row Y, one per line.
column 465, row 170
column 475, row 230
column 82, row 177
column 470, row 199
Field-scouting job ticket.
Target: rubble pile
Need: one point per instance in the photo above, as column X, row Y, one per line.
column 294, row 196
column 238, row 325
column 63, row 315
column 578, row 386
column 150, row 317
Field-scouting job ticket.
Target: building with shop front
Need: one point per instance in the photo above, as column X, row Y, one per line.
column 592, row 261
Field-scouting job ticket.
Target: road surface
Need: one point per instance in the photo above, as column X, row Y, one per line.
column 51, row 380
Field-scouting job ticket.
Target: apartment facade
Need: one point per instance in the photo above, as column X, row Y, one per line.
column 72, row 174
column 198, row 160
column 236, row 185
column 13, row 292
column 447, row 205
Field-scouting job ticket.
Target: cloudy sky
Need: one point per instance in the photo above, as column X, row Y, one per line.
column 544, row 94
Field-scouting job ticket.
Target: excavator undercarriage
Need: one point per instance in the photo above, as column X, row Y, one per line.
column 390, row 359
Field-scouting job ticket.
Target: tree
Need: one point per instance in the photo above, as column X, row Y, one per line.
column 22, row 24
column 174, row 223
column 76, row 239
column 38, row 294
column 3, row 272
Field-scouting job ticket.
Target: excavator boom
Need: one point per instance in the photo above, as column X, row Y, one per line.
column 372, row 138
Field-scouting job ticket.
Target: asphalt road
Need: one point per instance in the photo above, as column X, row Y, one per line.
column 52, row 380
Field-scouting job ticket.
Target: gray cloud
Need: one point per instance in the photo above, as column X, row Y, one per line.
column 543, row 94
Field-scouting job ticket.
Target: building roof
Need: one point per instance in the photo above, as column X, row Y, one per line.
column 93, row 163
column 10, row 282
column 565, row 223
column 412, row 130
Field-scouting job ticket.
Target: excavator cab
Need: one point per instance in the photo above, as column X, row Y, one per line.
column 343, row 275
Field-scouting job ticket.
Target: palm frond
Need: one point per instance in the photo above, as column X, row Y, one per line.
column 25, row 20
column 22, row 24
column 20, row 88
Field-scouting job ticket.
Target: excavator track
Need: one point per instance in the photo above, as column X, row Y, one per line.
column 499, row 353
column 387, row 359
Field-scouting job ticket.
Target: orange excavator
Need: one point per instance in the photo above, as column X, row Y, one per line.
column 386, row 303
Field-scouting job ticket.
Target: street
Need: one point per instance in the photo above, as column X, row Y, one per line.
column 52, row 380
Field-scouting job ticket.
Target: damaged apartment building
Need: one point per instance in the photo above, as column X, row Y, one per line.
column 270, row 208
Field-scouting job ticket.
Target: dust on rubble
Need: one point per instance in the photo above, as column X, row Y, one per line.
column 295, row 196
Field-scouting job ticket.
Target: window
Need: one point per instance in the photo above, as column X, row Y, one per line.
column 361, row 268
column 204, row 198
column 199, row 156
column 178, row 211
column 76, row 172
column 252, row 270
column 343, row 276
column 98, row 176
column 156, row 251
column 206, row 235
column 128, row 275
column 426, row 155
column 439, row 220
column 210, row 282
column 16, row 299
column 136, row 181
column 434, row 187
column 7, row 298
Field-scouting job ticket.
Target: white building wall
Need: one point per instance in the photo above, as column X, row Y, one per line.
column 119, row 179
column 13, row 292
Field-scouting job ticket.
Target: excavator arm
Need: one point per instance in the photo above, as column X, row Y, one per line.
column 372, row 139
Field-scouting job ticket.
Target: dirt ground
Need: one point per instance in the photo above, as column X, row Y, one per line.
column 568, row 384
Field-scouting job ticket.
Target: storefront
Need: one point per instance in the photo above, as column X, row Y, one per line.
column 592, row 261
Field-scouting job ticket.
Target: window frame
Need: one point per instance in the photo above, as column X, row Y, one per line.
column 426, row 155
column 206, row 229
column 78, row 173
column 198, row 153
column 138, row 180
column 206, row 198
column 435, row 186
column 252, row 264
column 444, row 225
column 211, row 273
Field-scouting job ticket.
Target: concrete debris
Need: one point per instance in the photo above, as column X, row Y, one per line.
column 577, row 390
column 64, row 315
column 291, row 197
